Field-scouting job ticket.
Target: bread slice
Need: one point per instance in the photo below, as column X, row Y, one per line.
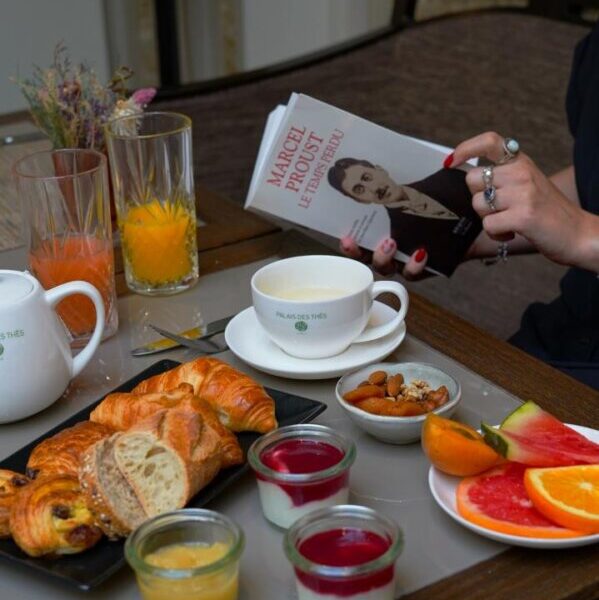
column 155, row 472
column 107, row 493
column 168, row 458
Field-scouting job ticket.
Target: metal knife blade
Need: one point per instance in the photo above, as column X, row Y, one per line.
column 196, row 333
column 206, row 346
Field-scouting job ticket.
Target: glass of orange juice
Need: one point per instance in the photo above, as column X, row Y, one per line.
column 186, row 554
column 66, row 204
column 152, row 174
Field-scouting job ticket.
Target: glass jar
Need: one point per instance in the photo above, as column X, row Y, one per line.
column 347, row 551
column 301, row 468
column 189, row 553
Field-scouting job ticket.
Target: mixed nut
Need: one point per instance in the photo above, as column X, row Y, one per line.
column 389, row 395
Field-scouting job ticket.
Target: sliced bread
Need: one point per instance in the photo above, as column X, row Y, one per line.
column 154, row 467
column 168, row 458
column 107, row 493
column 154, row 471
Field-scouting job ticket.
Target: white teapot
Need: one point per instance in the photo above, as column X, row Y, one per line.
column 36, row 363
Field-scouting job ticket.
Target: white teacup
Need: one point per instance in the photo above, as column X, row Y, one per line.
column 316, row 306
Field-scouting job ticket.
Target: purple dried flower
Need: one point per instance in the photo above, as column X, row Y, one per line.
column 70, row 104
column 143, row 96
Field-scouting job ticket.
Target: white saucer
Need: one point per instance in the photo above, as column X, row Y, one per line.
column 249, row 342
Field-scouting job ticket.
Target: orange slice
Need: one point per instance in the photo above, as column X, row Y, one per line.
column 455, row 448
column 566, row 495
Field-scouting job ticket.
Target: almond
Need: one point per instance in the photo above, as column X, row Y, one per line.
column 394, row 384
column 377, row 377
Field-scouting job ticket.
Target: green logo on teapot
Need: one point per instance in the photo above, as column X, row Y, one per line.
column 301, row 325
column 1, row 349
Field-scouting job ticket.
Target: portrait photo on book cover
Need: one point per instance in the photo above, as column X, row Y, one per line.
column 435, row 213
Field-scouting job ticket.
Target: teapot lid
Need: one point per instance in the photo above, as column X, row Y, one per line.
column 14, row 286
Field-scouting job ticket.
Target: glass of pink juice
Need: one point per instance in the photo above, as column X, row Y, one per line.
column 66, row 205
column 344, row 552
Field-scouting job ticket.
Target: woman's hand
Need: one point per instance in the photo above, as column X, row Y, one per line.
column 526, row 202
column 382, row 258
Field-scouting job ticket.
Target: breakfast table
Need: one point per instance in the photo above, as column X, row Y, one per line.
column 441, row 559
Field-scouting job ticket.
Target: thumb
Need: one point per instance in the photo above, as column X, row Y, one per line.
column 416, row 264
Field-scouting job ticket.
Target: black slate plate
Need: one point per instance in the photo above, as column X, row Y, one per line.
column 88, row 569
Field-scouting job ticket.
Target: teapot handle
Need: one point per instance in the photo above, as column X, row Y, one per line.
column 56, row 294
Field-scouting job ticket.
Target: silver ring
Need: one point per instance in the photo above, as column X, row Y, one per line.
column 488, row 176
column 501, row 255
column 511, row 147
column 490, row 194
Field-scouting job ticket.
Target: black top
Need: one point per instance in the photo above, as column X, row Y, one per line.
column 446, row 240
column 566, row 331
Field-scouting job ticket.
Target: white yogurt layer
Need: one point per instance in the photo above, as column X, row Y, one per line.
column 386, row 592
column 279, row 509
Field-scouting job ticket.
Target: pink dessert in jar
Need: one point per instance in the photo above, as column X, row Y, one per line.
column 344, row 552
column 299, row 469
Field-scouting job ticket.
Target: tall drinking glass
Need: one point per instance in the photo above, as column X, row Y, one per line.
column 65, row 199
column 150, row 159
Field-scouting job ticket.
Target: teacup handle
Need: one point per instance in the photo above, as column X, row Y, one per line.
column 55, row 295
column 379, row 287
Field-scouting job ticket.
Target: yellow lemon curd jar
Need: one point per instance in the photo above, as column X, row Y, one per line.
column 186, row 554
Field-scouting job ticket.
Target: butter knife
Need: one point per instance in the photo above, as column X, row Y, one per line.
column 196, row 333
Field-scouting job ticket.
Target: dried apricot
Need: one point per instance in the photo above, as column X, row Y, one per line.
column 366, row 391
column 390, row 408
column 438, row 397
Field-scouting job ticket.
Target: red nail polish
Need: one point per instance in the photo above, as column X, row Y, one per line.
column 448, row 160
column 420, row 255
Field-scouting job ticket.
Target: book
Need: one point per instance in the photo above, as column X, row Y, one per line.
column 323, row 168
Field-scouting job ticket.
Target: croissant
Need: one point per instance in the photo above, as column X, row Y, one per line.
column 10, row 484
column 240, row 402
column 61, row 453
column 122, row 411
column 155, row 466
column 49, row 516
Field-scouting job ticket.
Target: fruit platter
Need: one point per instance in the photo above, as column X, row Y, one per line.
column 532, row 481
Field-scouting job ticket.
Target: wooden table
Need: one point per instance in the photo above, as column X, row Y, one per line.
column 233, row 237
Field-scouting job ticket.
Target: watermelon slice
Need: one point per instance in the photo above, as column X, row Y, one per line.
column 535, row 438
column 497, row 500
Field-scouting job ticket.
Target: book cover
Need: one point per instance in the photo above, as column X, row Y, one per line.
column 326, row 169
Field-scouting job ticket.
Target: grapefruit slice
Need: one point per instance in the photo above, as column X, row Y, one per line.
column 567, row 495
column 533, row 437
column 497, row 500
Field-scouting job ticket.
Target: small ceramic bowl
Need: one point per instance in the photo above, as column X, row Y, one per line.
column 397, row 430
